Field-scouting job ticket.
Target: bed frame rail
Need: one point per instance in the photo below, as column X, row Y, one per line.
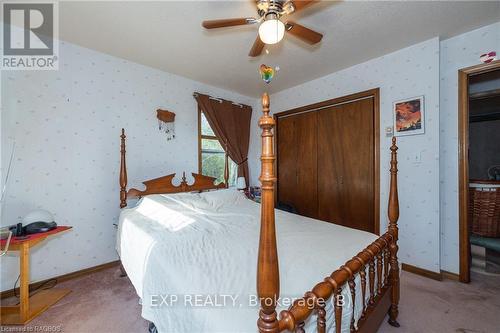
column 379, row 259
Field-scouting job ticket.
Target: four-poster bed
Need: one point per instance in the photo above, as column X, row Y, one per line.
column 383, row 252
column 370, row 280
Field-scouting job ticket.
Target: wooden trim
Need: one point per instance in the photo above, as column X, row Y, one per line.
column 422, row 272
column 442, row 275
column 375, row 94
column 376, row 157
column 463, row 158
column 450, row 276
column 64, row 277
column 330, row 102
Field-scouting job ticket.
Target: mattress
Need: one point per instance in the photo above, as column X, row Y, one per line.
column 192, row 258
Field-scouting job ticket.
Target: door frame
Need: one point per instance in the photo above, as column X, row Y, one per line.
column 375, row 94
column 463, row 161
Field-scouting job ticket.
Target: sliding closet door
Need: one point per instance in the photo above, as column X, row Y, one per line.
column 297, row 162
column 346, row 164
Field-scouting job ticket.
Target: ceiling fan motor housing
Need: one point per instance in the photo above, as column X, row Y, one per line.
column 276, row 8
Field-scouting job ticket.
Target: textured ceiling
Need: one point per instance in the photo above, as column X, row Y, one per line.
column 168, row 35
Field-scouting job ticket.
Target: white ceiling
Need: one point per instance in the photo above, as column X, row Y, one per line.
column 168, row 35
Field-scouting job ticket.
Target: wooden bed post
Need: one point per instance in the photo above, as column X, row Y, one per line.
column 123, row 173
column 226, row 170
column 267, row 266
column 393, row 213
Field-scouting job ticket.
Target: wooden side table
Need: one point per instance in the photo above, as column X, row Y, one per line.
column 30, row 307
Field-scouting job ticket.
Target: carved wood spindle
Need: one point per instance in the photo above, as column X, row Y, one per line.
column 267, row 266
column 393, row 214
column 371, row 278
column 362, row 274
column 321, row 321
column 337, row 306
column 123, row 172
column 300, row 327
column 386, row 267
column 352, row 287
column 379, row 273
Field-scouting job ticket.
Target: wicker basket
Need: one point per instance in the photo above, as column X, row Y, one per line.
column 484, row 208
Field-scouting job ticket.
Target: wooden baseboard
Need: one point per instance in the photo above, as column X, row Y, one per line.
column 450, row 275
column 65, row 277
column 423, row 272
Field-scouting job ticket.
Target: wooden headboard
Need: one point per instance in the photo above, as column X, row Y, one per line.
column 164, row 184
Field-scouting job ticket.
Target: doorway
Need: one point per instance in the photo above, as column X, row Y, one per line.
column 479, row 100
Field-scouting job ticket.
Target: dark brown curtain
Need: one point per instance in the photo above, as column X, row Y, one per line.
column 231, row 125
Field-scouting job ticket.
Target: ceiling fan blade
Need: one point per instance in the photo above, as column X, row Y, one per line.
column 257, row 47
column 212, row 24
column 299, row 4
column 306, row 34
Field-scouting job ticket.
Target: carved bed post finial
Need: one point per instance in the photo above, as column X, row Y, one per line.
column 393, row 214
column 267, row 266
column 123, row 172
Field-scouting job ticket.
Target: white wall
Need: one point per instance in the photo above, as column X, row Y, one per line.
column 409, row 72
column 456, row 53
column 66, row 125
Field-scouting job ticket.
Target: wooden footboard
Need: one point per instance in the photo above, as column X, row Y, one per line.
column 377, row 265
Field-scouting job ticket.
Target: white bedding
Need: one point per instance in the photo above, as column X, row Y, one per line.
column 202, row 250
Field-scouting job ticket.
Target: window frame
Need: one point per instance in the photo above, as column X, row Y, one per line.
column 211, row 137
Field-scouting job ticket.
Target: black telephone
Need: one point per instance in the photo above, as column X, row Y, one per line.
column 32, row 228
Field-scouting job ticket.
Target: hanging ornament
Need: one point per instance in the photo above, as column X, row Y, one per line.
column 166, row 123
column 266, row 72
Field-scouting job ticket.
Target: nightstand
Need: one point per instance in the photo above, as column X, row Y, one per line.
column 30, row 307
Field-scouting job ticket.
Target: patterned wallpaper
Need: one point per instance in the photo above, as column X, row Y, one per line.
column 409, row 72
column 456, row 53
column 66, row 125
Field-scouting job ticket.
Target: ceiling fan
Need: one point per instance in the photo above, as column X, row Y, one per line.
column 273, row 25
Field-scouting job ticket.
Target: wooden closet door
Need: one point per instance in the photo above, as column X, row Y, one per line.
column 297, row 162
column 346, row 164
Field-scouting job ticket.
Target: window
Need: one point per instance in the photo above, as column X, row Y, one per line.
column 211, row 155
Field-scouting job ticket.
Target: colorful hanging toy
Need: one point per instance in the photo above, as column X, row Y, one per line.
column 266, row 72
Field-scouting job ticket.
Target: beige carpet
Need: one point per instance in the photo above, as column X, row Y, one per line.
column 104, row 302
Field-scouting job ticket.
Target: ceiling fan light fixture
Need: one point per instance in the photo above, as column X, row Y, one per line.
column 271, row 31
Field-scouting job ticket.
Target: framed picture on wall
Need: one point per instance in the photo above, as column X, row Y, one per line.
column 409, row 116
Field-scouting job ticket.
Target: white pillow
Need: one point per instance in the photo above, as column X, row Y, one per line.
column 218, row 198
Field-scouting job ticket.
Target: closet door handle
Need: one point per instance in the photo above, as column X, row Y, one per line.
column 341, row 180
